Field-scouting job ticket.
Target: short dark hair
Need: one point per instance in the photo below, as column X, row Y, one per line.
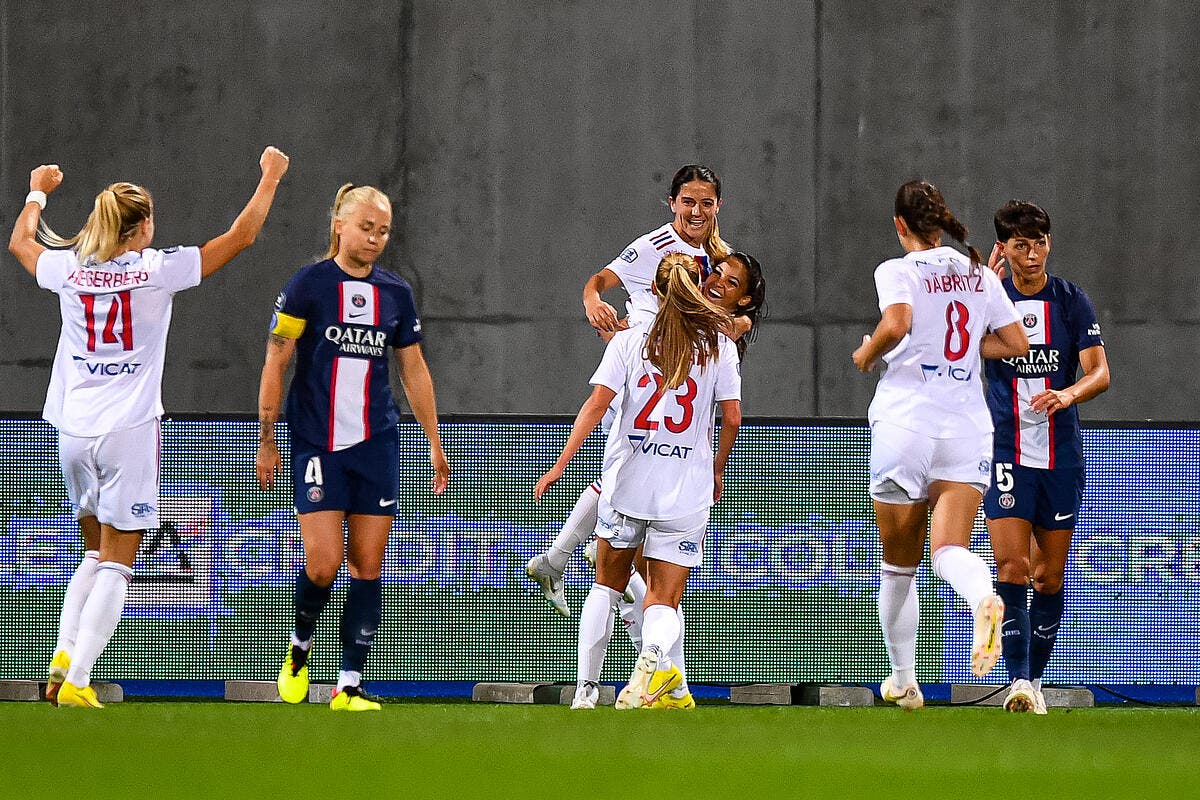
column 1021, row 218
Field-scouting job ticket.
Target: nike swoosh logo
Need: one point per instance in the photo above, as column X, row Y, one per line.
column 356, row 316
column 1047, row 628
column 386, row 503
column 1061, row 517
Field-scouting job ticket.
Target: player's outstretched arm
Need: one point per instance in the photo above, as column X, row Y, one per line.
column 23, row 243
column 586, row 420
column 218, row 252
column 418, row 388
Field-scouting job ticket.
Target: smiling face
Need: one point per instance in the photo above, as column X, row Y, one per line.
column 363, row 231
column 695, row 208
column 728, row 286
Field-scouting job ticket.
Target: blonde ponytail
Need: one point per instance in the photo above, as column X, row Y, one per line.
column 686, row 328
column 115, row 217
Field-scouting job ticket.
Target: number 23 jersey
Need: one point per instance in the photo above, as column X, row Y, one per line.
column 658, row 461
column 343, row 327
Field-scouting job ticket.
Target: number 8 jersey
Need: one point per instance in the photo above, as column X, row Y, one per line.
column 107, row 373
column 931, row 383
column 658, row 461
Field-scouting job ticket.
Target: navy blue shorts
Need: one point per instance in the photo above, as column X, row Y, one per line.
column 362, row 479
column 1047, row 498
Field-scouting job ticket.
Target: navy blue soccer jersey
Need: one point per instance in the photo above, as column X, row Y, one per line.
column 1060, row 323
column 343, row 328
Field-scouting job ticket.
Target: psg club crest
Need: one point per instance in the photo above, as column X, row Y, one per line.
column 1029, row 320
column 358, row 300
column 1007, row 501
column 315, row 494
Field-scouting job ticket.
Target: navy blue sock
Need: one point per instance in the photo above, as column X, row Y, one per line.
column 360, row 620
column 1015, row 641
column 310, row 602
column 1045, row 616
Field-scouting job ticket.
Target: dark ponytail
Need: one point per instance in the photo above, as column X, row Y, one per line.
column 921, row 205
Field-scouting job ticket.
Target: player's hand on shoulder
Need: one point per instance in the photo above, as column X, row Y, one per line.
column 274, row 163
column 45, row 178
column 602, row 316
column 996, row 261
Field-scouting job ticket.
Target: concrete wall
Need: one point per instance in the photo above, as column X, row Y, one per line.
column 526, row 143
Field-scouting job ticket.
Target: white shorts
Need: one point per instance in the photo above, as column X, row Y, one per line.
column 113, row 477
column 904, row 463
column 676, row 541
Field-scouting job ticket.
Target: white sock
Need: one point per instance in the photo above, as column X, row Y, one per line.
column 595, row 629
column 660, row 630
column 305, row 645
column 676, row 655
column 348, row 678
column 580, row 524
column 77, row 594
column 966, row 573
column 631, row 613
column 899, row 615
column 98, row 619
column 1037, row 684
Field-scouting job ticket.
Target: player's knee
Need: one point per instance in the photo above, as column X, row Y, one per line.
column 321, row 574
column 1012, row 570
column 1048, row 581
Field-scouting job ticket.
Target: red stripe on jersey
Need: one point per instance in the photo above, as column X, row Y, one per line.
column 664, row 245
column 375, row 302
column 366, row 406
column 1016, row 393
column 333, row 396
column 1046, row 326
column 1049, row 417
column 341, row 301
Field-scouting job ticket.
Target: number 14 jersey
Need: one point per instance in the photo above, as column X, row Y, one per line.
column 107, row 373
column 931, row 383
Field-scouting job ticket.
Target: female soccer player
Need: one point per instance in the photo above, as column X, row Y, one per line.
column 931, row 435
column 695, row 201
column 660, row 475
column 736, row 286
column 340, row 316
column 1032, row 505
column 105, row 396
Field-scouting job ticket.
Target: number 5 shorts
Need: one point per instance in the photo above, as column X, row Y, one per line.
column 114, row 476
column 904, row 463
column 676, row 541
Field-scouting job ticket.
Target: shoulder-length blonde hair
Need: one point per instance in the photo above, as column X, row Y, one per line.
column 687, row 325
column 115, row 217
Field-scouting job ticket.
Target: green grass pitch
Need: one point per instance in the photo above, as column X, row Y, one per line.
column 164, row 750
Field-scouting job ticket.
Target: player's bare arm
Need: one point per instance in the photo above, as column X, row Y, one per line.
column 418, row 388
column 218, row 252
column 1094, row 382
column 893, row 325
column 586, row 420
column 23, row 243
column 600, row 314
column 267, row 462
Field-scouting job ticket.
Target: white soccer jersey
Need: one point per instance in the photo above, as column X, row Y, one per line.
column 107, row 373
column 931, row 383
column 637, row 265
column 658, row 461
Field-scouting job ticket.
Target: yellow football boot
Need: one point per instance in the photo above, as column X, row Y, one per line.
column 353, row 698
column 56, row 675
column 293, row 676
column 71, row 696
